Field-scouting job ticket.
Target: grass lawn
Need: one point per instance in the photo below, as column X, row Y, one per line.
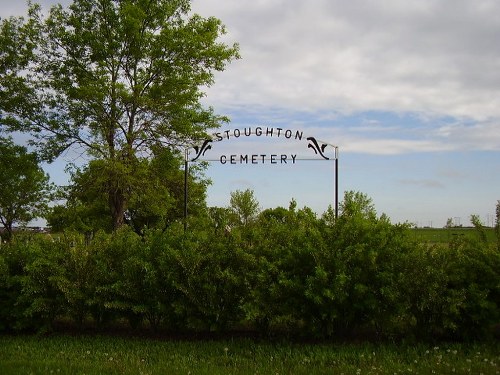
column 65, row 354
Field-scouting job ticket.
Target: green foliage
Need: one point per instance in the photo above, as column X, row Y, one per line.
column 4, row 293
column 452, row 291
column 480, row 230
column 284, row 244
column 41, row 294
column 244, row 206
column 207, row 274
column 113, row 296
column 356, row 281
column 120, row 79
column 15, row 256
column 286, row 271
column 25, row 188
column 154, row 200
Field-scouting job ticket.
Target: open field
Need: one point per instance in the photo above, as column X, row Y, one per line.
column 445, row 235
column 118, row 355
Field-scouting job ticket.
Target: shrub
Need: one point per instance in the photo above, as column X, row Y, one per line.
column 206, row 273
column 287, row 270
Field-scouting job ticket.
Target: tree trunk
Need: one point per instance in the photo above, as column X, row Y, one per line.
column 7, row 224
column 117, row 204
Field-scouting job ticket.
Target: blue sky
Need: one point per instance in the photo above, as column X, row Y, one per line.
column 408, row 90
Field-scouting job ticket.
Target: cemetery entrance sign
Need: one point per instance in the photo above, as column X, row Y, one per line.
column 264, row 132
column 314, row 148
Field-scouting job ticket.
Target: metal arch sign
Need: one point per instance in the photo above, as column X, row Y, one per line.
column 318, row 153
column 318, row 147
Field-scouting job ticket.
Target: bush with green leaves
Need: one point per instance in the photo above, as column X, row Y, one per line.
column 286, row 270
column 15, row 256
column 355, row 284
column 285, row 244
column 42, row 294
column 452, row 291
column 207, row 274
column 116, row 293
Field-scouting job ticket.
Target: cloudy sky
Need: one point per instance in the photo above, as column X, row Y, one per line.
column 408, row 90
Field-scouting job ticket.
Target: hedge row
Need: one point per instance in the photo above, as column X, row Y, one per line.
column 288, row 270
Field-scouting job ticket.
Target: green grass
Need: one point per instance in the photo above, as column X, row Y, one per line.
column 112, row 355
column 445, row 235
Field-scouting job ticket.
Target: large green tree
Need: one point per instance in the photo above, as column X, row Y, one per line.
column 114, row 77
column 156, row 199
column 25, row 190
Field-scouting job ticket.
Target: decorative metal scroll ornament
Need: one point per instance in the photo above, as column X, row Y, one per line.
column 200, row 151
column 317, row 149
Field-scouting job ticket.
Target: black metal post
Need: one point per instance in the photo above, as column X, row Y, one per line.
column 336, row 182
column 186, row 170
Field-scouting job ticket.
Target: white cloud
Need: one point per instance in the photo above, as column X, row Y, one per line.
column 433, row 184
column 438, row 57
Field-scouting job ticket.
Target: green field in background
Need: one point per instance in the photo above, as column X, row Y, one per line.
column 445, row 235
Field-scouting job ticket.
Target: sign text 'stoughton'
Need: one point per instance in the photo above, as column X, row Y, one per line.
column 259, row 131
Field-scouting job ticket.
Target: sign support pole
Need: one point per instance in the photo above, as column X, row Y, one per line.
column 186, row 170
column 336, row 182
